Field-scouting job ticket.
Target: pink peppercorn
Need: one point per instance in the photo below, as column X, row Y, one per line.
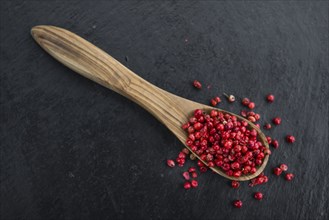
column 194, row 183
column 275, row 144
column 267, row 126
column 187, row 185
column 277, row 171
column 237, row 203
column 251, row 105
column 245, row 101
column 270, row 98
column 258, row 196
column 276, row 120
column 283, row 167
column 289, row 176
column 235, row 184
column 170, row 163
column 197, row 84
column 290, row 139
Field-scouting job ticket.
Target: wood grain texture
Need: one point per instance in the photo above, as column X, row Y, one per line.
column 94, row 64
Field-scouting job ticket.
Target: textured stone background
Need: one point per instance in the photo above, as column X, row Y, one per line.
column 71, row 149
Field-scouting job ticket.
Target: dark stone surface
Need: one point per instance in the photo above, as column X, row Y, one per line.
column 71, row 149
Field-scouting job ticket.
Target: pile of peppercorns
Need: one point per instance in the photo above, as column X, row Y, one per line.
column 224, row 142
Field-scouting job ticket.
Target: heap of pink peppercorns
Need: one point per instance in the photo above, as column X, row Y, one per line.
column 223, row 141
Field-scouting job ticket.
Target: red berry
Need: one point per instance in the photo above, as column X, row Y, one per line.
column 194, row 175
column 277, row 171
column 194, row 183
column 203, row 169
column 181, row 155
column 267, row 126
column 187, row 185
column 197, row 84
column 235, row 184
column 237, row 203
column 283, row 167
column 289, row 176
column 198, row 113
column 217, row 99
column 275, row 144
column 252, row 119
column 213, row 102
column 290, row 139
column 267, row 151
column 192, row 169
column 235, row 166
column 245, row 101
column 276, row 120
column 270, row 98
column 186, row 175
column 269, row 139
column 170, row 163
column 243, row 113
column 258, row 195
column 186, row 151
column 251, row 105
column 186, row 125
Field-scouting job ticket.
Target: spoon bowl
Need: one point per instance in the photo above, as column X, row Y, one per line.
column 95, row 64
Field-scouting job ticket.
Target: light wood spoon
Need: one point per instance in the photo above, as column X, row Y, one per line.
column 93, row 63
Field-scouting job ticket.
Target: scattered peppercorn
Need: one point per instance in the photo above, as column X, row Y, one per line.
column 235, row 184
column 258, row 195
column 187, row 185
column 289, row 176
column 267, row 126
column 270, row 98
column 290, row 139
column 197, row 84
column 277, row 171
column 275, row 144
column 245, row 101
column 251, row 105
column 276, row 120
column 194, row 183
column 237, row 203
column 170, row 163
column 283, row 167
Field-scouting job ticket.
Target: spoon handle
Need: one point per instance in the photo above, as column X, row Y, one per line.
column 95, row 64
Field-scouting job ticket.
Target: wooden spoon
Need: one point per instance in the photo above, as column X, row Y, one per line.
column 93, row 63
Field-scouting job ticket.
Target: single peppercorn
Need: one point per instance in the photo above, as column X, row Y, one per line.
column 187, row 185
column 270, row 98
column 186, row 175
column 267, row 126
column 197, row 84
column 275, row 144
column 235, row 184
column 194, row 183
column 217, row 99
column 194, row 175
column 237, row 203
column 290, row 139
column 277, row 171
column 213, row 102
column 276, row 120
column 245, row 101
column 251, row 105
column 289, row 176
column 283, row 167
column 258, row 195
column 170, row 163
